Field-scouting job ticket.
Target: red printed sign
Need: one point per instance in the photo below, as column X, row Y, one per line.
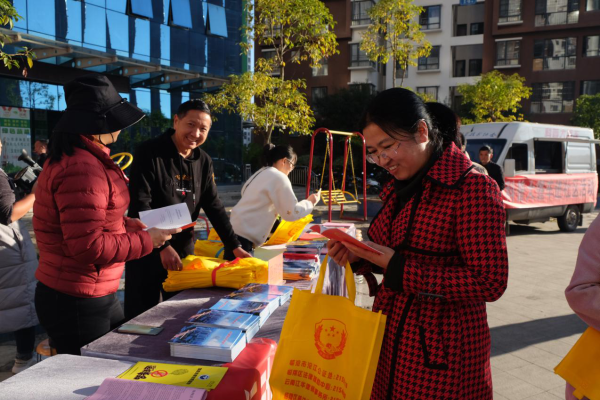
column 530, row 191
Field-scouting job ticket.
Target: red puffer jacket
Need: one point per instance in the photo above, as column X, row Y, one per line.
column 79, row 224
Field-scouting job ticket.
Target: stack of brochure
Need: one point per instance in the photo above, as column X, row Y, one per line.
column 257, row 289
column 248, row 323
column 208, row 343
column 262, row 310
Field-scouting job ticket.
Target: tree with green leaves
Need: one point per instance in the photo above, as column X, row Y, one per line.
column 8, row 16
column 587, row 113
column 267, row 101
column 395, row 35
column 495, row 97
column 298, row 30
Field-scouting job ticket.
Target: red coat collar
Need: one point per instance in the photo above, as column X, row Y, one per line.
column 450, row 169
column 102, row 153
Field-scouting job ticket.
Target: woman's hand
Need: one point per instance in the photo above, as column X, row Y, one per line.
column 160, row 236
column 315, row 197
column 381, row 260
column 339, row 253
column 134, row 225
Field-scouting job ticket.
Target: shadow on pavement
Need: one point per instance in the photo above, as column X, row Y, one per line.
column 513, row 337
column 521, row 230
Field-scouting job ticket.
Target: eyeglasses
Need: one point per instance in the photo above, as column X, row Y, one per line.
column 293, row 165
column 384, row 155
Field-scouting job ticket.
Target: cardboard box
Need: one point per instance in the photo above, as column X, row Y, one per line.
column 274, row 256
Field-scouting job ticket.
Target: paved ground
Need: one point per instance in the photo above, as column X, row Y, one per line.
column 532, row 326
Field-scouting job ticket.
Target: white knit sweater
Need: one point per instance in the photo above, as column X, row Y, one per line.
column 267, row 193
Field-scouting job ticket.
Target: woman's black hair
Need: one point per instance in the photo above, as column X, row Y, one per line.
column 272, row 154
column 63, row 144
column 397, row 112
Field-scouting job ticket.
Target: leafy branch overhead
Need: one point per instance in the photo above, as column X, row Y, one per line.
column 495, row 97
column 301, row 27
column 266, row 100
column 8, row 16
column 395, row 35
column 587, row 113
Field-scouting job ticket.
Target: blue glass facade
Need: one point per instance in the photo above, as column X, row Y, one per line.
column 192, row 36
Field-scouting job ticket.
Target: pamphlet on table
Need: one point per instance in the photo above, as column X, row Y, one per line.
column 121, row 389
column 196, row 376
column 249, row 323
column 216, row 344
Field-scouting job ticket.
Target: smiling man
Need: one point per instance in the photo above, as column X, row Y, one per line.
column 167, row 170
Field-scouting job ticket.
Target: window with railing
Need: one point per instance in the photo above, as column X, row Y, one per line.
column 360, row 12
column 432, row 62
column 510, row 11
column 477, row 28
column 318, row 92
column 549, row 54
column 475, row 67
column 556, row 12
column 552, row 97
column 460, row 68
column 507, row 52
column 323, row 70
column 430, row 91
column 591, row 46
column 358, row 58
column 592, row 5
column 430, row 18
column 271, row 57
column 590, row 87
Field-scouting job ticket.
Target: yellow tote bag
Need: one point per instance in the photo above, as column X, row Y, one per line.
column 581, row 366
column 328, row 346
column 289, row 231
column 209, row 248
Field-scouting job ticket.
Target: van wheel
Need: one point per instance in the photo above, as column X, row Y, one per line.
column 570, row 220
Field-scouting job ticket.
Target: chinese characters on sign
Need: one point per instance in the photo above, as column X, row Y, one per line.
column 316, row 381
column 15, row 134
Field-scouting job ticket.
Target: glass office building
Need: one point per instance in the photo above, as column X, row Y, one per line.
column 158, row 53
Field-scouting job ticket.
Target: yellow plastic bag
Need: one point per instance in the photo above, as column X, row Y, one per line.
column 328, row 346
column 209, row 248
column 213, row 235
column 201, row 272
column 289, row 231
column 581, row 366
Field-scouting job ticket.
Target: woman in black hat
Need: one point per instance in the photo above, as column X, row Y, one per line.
column 82, row 234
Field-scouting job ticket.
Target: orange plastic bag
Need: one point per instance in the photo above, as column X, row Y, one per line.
column 328, row 346
column 581, row 366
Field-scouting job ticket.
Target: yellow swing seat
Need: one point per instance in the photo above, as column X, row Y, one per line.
column 338, row 197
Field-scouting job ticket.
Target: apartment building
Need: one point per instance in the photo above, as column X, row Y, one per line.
column 351, row 66
column 455, row 32
column 554, row 44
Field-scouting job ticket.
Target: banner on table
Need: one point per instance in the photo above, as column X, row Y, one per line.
column 549, row 190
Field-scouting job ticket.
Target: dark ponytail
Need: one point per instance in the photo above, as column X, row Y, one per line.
column 446, row 122
column 272, row 154
column 63, row 144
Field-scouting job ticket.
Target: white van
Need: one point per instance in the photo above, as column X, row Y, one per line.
column 550, row 170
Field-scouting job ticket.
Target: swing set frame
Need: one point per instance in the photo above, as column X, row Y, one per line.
column 338, row 196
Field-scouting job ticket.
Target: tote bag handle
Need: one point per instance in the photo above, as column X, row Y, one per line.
column 349, row 275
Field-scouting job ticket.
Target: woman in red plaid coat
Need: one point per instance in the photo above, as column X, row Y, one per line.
column 441, row 231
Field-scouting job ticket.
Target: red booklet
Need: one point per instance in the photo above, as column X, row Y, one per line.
column 336, row 234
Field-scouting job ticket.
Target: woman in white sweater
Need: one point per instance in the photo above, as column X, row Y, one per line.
column 267, row 194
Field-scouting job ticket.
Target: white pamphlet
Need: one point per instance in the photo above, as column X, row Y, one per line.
column 170, row 217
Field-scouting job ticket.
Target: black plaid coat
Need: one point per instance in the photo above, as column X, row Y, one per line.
column 450, row 260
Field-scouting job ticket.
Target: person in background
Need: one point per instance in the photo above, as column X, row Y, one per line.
column 78, row 218
column 463, row 147
column 41, row 149
column 167, row 170
column 583, row 292
column 486, row 154
column 17, row 273
column 267, row 194
column 443, row 255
